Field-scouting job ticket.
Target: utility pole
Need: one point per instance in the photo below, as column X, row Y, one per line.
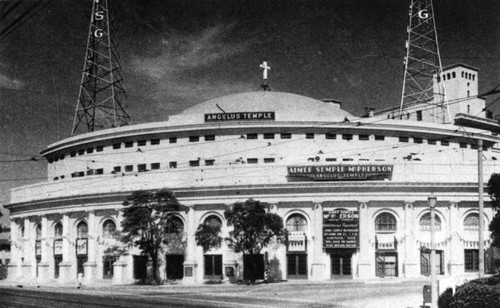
column 481, row 206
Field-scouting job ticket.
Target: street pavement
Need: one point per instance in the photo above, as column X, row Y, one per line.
column 375, row 293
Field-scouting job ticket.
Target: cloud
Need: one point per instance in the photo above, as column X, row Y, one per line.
column 10, row 83
column 182, row 54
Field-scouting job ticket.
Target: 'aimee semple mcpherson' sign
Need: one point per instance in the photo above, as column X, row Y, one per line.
column 239, row 116
column 341, row 172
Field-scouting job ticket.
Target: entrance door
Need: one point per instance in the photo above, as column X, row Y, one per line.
column 253, row 266
column 425, row 262
column 297, row 266
column 387, row 264
column 140, row 267
column 80, row 260
column 57, row 260
column 175, row 266
column 341, row 265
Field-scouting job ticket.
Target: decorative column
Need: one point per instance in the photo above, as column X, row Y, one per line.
column 90, row 267
column 15, row 251
column 65, row 265
column 43, row 267
column 365, row 268
column 318, row 266
column 190, row 264
column 410, row 265
column 29, row 264
column 456, row 250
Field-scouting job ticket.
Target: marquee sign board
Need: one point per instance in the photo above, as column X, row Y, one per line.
column 340, row 229
column 341, row 172
column 239, row 116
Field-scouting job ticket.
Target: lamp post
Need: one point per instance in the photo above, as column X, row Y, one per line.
column 432, row 204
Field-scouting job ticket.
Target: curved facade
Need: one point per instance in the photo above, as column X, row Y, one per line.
column 352, row 192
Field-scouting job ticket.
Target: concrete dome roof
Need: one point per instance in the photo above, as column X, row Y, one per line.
column 287, row 106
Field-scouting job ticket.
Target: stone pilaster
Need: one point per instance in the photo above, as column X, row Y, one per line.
column 318, row 265
column 90, row 267
column 190, row 265
column 365, row 265
column 43, row 267
column 68, row 260
column 29, row 265
column 410, row 265
column 456, row 251
column 14, row 267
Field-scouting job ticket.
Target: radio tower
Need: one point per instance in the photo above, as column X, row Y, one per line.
column 423, row 62
column 100, row 100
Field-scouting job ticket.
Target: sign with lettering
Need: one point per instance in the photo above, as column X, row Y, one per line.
column 340, row 229
column 239, row 116
column 341, row 172
column 58, row 247
column 81, row 246
column 38, row 248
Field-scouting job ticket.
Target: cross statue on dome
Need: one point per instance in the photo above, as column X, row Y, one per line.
column 265, row 86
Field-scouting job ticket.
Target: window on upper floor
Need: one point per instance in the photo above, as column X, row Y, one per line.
column 172, row 164
column 117, row 169
column 209, row 137
column 419, row 115
column 385, row 222
column 252, row 136
column 155, row 166
column 417, row 140
column 252, row 160
column 175, row 225
column 194, row 163
column 155, row 141
column 129, row 144
column 72, row 154
column 431, row 141
column 364, row 137
column 269, row 160
column 445, row 143
column 99, row 148
column 347, row 136
column 116, row 146
column 108, row 228
column 309, row 135
column 209, row 162
column 194, row 138
column 296, row 222
column 129, row 168
column 463, row 145
column 268, row 135
column 425, row 222
column 330, row 136
column 58, row 231
column 81, row 152
column 286, row 136
column 99, row 171
column 172, row 140
column 141, row 143
column 379, row 137
column 142, row 168
column 453, row 75
column 471, row 222
column 403, row 139
column 82, row 230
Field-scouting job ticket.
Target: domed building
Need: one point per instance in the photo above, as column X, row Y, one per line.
column 352, row 191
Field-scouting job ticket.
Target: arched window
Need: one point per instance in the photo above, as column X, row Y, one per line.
column 385, row 222
column 108, row 228
column 471, row 222
column 82, row 230
column 425, row 222
column 213, row 221
column 58, row 231
column 448, row 76
column 453, row 75
column 38, row 229
column 296, row 222
column 175, row 225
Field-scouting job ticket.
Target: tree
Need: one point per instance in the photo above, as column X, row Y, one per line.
column 253, row 229
column 146, row 216
column 494, row 192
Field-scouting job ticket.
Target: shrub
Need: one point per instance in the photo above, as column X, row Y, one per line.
column 471, row 295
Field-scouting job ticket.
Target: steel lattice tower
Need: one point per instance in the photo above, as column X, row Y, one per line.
column 101, row 96
column 423, row 61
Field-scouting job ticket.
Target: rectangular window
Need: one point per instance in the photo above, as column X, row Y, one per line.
column 194, row 163
column 418, row 140
column 172, row 140
column 155, row 141
column 117, row 169
column 471, row 261
column 309, row 135
column 347, row 136
column 403, row 139
column 141, row 168
column 129, row 144
column 379, row 138
column 330, row 136
column 269, row 160
column 209, row 137
column 141, row 143
column 252, row 160
column 213, row 266
column 129, row 168
column 330, row 159
column 463, row 145
column 252, row 136
column 347, row 159
column 99, row 171
column 364, row 137
column 155, row 166
column 474, row 146
column 268, row 136
column 116, row 146
column 209, row 162
column 90, row 150
column 194, row 138
column 61, row 157
column 419, row 115
column 286, row 136
column 72, row 154
column 172, row 164
column 81, row 152
column 99, row 148
column 445, row 143
column 431, row 141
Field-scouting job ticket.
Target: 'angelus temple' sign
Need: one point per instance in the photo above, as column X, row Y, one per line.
column 340, row 229
column 239, row 116
column 340, row 172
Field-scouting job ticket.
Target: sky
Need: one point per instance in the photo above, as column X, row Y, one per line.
column 175, row 54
